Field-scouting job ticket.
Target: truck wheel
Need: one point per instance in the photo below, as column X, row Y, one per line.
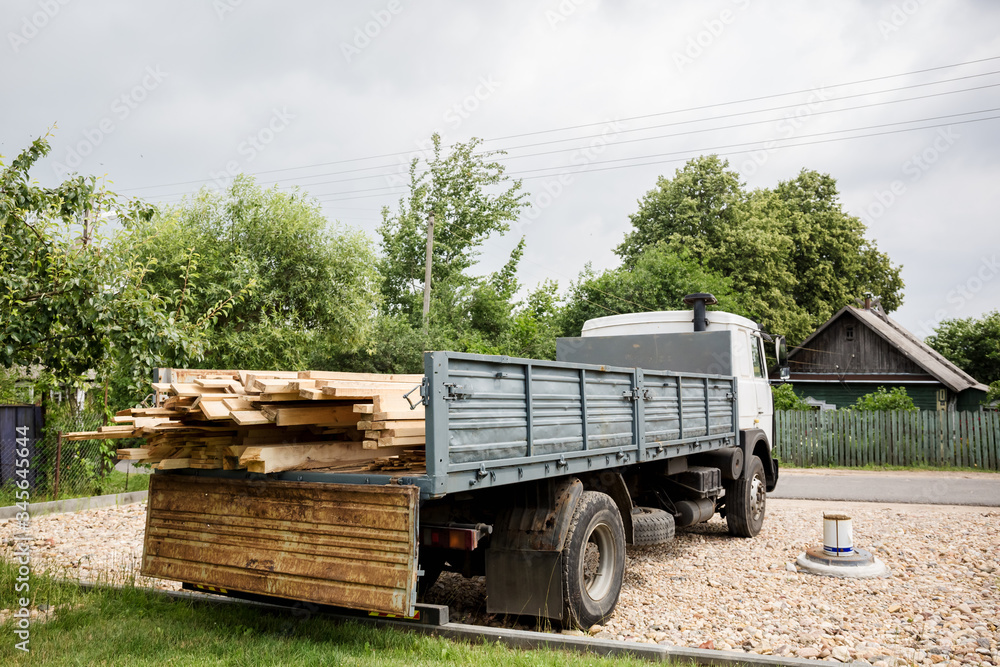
column 746, row 499
column 651, row 525
column 593, row 561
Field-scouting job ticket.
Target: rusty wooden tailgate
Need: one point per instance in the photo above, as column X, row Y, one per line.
column 339, row 544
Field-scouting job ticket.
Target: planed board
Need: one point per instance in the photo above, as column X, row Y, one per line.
column 346, row 545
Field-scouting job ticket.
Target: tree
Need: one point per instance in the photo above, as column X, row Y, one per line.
column 831, row 257
column 314, row 286
column 785, row 398
column 470, row 199
column 73, row 300
column 657, row 279
column 792, row 253
column 880, row 399
column 971, row 344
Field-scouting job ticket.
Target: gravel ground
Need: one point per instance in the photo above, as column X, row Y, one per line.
column 939, row 604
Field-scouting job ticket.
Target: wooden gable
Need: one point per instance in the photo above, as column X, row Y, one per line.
column 848, row 346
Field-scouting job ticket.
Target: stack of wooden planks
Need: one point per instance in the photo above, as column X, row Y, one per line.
column 269, row 421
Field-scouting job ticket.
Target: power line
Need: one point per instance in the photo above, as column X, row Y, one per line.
column 751, row 99
column 666, row 136
column 632, row 118
column 642, row 139
column 755, row 144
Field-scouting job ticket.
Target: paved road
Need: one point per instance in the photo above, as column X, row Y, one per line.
column 891, row 487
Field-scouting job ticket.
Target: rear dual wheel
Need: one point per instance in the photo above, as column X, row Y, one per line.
column 593, row 561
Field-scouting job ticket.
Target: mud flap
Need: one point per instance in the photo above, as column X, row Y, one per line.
column 337, row 544
column 526, row 583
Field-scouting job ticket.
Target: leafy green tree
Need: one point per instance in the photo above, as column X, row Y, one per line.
column 785, row 398
column 314, row 286
column 74, row 300
column 470, row 198
column 792, row 253
column 971, row 344
column 880, row 399
column 831, row 258
column 993, row 394
column 657, row 279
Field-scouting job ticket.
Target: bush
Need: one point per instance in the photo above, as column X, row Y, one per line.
column 785, row 398
column 880, row 399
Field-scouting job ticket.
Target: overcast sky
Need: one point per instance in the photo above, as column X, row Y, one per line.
column 162, row 98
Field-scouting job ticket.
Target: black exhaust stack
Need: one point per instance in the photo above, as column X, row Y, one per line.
column 699, row 301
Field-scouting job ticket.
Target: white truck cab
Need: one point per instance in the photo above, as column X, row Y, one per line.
column 692, row 351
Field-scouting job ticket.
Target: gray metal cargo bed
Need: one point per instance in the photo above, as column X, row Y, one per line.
column 494, row 420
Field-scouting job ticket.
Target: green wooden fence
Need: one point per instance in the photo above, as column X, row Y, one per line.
column 901, row 438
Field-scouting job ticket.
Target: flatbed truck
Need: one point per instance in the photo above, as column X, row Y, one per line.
column 538, row 474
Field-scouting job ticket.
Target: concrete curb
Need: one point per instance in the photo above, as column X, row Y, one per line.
column 523, row 639
column 76, row 504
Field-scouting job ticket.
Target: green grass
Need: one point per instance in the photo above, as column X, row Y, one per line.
column 113, row 482
column 133, row 627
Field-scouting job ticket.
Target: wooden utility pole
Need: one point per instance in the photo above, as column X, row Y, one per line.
column 427, row 270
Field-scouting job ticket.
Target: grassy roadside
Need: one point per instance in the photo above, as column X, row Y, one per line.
column 132, row 627
column 112, row 483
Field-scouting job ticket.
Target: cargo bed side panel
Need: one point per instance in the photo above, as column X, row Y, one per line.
column 346, row 545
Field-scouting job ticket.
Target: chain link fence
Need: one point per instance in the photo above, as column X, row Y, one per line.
column 62, row 468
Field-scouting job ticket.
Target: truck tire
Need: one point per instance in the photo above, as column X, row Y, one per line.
column 593, row 561
column 651, row 525
column 746, row 501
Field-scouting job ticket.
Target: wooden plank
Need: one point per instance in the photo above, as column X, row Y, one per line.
column 401, row 432
column 154, row 412
column 273, row 398
column 249, row 417
column 313, row 394
column 361, row 377
column 371, row 566
column 371, row 425
column 122, row 419
column 133, row 453
column 399, row 415
column 95, row 435
column 215, row 410
column 173, row 464
column 321, row 414
column 302, row 456
column 364, row 408
column 993, row 428
column 399, row 441
column 237, row 403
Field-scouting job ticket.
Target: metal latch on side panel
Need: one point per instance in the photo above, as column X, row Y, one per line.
column 455, row 392
column 637, row 394
column 425, row 394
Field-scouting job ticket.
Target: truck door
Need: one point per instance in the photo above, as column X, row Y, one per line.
column 743, row 368
column 762, row 388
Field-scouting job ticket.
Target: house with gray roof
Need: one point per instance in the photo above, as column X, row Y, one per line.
column 861, row 348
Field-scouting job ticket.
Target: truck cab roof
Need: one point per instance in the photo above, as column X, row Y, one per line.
column 663, row 321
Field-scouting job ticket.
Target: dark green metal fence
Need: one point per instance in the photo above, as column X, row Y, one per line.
column 890, row 438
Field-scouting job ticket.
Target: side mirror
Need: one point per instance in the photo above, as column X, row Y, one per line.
column 781, row 354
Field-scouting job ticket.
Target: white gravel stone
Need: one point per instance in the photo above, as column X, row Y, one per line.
column 940, row 604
